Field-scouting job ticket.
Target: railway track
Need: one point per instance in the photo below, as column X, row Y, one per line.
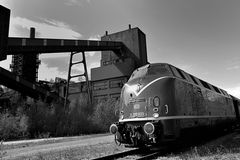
column 119, row 155
column 139, row 154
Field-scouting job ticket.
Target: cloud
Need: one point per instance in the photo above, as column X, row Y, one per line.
column 60, row 63
column 233, row 67
column 72, row 3
column 66, row 55
column 233, row 63
column 6, row 63
column 47, row 28
column 95, row 37
column 76, row 2
column 47, row 73
column 52, row 65
column 58, row 66
column 235, row 91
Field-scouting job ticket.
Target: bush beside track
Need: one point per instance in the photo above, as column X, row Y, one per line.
column 24, row 120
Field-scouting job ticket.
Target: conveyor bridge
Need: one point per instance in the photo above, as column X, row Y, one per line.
column 18, row 45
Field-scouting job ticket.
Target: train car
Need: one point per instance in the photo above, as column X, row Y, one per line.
column 159, row 102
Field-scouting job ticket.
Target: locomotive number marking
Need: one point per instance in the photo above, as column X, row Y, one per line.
column 137, row 114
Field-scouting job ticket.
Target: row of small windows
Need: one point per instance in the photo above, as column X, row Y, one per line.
column 181, row 74
column 117, row 83
column 105, row 97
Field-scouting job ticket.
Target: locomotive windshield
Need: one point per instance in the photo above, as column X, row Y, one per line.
column 158, row 70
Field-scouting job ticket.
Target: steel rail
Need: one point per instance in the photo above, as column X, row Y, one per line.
column 118, row 155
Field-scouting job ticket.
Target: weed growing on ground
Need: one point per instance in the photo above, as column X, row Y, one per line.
column 199, row 153
column 2, row 152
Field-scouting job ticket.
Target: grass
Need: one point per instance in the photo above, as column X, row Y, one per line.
column 227, row 148
column 2, row 151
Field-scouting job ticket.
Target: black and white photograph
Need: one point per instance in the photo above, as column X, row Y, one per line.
column 120, row 79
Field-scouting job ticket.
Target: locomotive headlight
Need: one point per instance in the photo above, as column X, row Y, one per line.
column 155, row 115
column 149, row 128
column 113, row 129
column 156, row 101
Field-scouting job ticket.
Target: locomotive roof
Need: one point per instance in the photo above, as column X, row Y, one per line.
column 176, row 72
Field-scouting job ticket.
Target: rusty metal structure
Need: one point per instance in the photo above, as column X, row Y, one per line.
column 26, row 66
column 85, row 74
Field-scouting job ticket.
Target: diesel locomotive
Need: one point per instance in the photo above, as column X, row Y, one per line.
column 159, row 102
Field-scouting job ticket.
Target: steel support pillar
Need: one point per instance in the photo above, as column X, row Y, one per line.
column 85, row 74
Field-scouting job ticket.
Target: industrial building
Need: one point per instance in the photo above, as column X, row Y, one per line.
column 108, row 79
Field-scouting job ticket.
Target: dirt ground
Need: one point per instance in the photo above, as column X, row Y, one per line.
column 82, row 147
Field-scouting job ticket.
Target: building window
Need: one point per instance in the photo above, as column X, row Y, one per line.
column 100, row 85
column 116, row 83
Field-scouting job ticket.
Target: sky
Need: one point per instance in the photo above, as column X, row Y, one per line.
column 201, row 37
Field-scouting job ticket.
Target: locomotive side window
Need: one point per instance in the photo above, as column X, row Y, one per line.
column 193, row 78
column 197, row 80
column 188, row 77
column 205, row 84
column 175, row 72
column 216, row 89
column 224, row 92
column 180, row 72
column 211, row 87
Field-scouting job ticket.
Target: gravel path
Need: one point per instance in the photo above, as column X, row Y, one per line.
column 66, row 149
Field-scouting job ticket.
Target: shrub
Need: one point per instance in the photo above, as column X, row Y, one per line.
column 104, row 115
column 76, row 121
column 13, row 127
